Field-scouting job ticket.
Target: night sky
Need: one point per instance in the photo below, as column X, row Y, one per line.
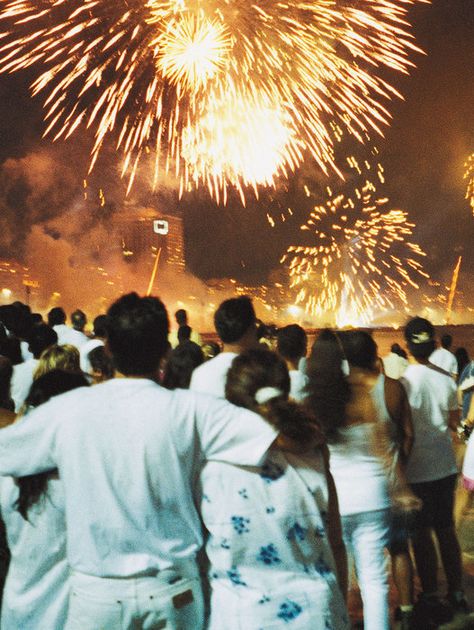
column 423, row 153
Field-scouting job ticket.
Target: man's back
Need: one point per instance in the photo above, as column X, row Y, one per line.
column 445, row 360
column 128, row 452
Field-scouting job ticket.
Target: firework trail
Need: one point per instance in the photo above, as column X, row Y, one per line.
column 469, row 177
column 229, row 92
column 361, row 261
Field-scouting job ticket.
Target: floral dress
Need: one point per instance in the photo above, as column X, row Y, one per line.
column 271, row 565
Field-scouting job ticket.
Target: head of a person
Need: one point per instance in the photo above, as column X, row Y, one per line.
column 292, row 342
column 462, row 357
column 252, row 371
column 210, row 350
column 359, row 348
column 184, row 333
column 446, row 341
column 100, row 326
column 10, row 347
column 181, row 317
column 56, row 316
column 22, row 322
column 137, row 334
column 78, row 320
column 420, row 337
column 56, row 357
column 41, row 337
column 235, row 321
column 181, row 363
column 102, row 367
column 258, row 380
column 397, row 349
column 36, row 318
column 33, row 487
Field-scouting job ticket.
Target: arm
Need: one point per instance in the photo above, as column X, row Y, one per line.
column 27, row 447
column 334, row 529
column 399, row 409
column 231, row 434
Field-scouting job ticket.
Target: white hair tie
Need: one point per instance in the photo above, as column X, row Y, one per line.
column 264, row 394
column 421, row 337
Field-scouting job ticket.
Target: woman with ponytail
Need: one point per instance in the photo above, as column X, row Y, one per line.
column 274, row 543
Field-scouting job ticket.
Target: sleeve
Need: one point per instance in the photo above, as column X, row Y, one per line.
column 232, row 434
column 27, row 447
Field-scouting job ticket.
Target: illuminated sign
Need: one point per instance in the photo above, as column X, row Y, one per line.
column 161, row 226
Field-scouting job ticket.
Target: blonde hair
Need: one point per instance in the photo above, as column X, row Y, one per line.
column 58, row 358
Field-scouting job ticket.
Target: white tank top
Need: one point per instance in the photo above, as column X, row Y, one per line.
column 359, row 459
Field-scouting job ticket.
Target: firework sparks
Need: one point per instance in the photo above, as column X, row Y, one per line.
column 469, row 177
column 361, row 262
column 167, row 75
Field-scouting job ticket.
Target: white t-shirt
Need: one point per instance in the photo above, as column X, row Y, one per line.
column 22, row 379
column 211, row 376
column 445, row 360
column 431, row 395
column 394, row 365
column 298, row 383
column 36, row 590
column 128, row 453
column 68, row 335
column 468, row 463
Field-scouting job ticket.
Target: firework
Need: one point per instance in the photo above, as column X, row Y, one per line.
column 469, row 177
column 360, row 261
column 169, row 76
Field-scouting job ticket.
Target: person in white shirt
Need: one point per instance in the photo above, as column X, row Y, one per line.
column 128, row 453
column 444, row 358
column 432, row 472
column 292, row 344
column 36, row 590
column 42, row 337
column 100, row 334
column 275, row 548
column 66, row 335
column 236, row 325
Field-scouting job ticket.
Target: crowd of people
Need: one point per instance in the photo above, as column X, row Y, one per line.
column 150, row 479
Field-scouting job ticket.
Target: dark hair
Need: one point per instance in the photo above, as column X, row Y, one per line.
column 181, row 317
column 11, row 348
column 41, row 337
column 33, row 487
column 184, row 333
column 182, row 361
column 419, row 334
column 100, row 361
column 328, row 391
column 397, row 349
column 292, row 342
column 100, row 326
column 255, row 369
column 78, row 320
column 137, row 333
column 6, row 371
column 56, row 316
column 446, row 341
column 359, row 348
column 36, row 318
column 210, row 350
column 462, row 357
column 233, row 318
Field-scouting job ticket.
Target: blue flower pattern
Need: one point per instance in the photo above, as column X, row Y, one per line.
column 240, row 524
column 289, row 610
column 269, row 555
column 243, row 493
column 235, row 577
column 297, row 532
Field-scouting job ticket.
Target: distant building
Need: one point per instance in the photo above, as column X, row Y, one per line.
column 16, row 282
column 141, row 232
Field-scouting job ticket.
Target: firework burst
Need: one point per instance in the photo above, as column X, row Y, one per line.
column 469, row 177
column 360, row 261
column 168, row 76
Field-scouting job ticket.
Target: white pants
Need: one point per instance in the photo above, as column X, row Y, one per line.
column 366, row 536
column 172, row 599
